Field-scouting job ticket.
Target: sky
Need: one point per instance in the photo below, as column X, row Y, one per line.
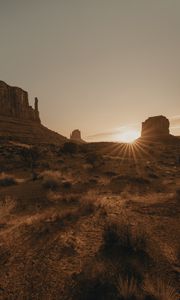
column 102, row 66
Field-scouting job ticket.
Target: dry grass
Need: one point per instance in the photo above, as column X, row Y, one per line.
column 177, row 195
column 51, row 179
column 122, row 236
column 7, row 180
column 6, row 206
column 90, row 203
column 160, row 290
column 127, row 288
column 59, row 241
column 66, row 198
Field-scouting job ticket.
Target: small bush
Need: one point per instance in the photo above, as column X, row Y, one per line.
column 7, row 180
column 90, row 203
column 93, row 288
column 178, row 195
column 51, row 179
column 94, row 159
column 63, row 198
column 127, row 289
column 30, row 156
column 6, row 206
column 67, row 184
column 120, row 236
column 159, row 290
column 70, row 148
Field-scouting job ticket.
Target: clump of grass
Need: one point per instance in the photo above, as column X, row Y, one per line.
column 126, row 182
column 70, row 148
column 157, row 289
column 90, row 203
column 51, row 179
column 88, row 287
column 66, row 184
column 7, row 180
column 121, row 236
column 178, row 195
column 127, row 289
column 63, row 197
column 94, row 159
column 6, row 206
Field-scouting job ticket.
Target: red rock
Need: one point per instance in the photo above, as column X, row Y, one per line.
column 157, row 126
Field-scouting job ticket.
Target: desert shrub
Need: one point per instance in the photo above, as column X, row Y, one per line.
column 119, row 183
column 110, row 173
column 128, row 289
column 6, row 206
column 120, row 236
column 60, row 161
column 30, row 156
column 83, row 148
column 67, row 184
column 126, row 247
column 131, row 179
column 90, row 203
column 7, row 180
column 93, row 181
column 157, row 289
column 87, row 205
column 65, row 217
column 88, row 287
column 54, row 197
column 63, row 197
column 178, row 195
column 34, row 176
column 152, row 175
column 70, row 148
column 94, row 159
column 51, row 179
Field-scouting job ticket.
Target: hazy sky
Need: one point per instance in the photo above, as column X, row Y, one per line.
column 98, row 65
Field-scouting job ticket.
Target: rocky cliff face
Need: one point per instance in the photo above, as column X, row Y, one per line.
column 157, row 126
column 20, row 122
column 14, row 103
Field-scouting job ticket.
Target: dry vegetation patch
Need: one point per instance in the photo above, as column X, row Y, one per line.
column 51, row 179
column 158, row 289
column 91, row 227
column 7, row 180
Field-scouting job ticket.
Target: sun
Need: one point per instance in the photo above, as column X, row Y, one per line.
column 128, row 136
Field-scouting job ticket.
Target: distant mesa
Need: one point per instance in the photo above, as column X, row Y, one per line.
column 76, row 136
column 155, row 127
column 20, row 121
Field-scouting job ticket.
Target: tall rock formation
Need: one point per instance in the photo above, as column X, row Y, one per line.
column 155, row 127
column 76, row 136
column 14, row 103
column 20, row 122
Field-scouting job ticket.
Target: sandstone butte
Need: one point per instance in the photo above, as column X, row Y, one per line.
column 21, row 122
column 156, row 129
column 75, row 136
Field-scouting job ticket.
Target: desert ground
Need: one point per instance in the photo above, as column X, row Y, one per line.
column 90, row 221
